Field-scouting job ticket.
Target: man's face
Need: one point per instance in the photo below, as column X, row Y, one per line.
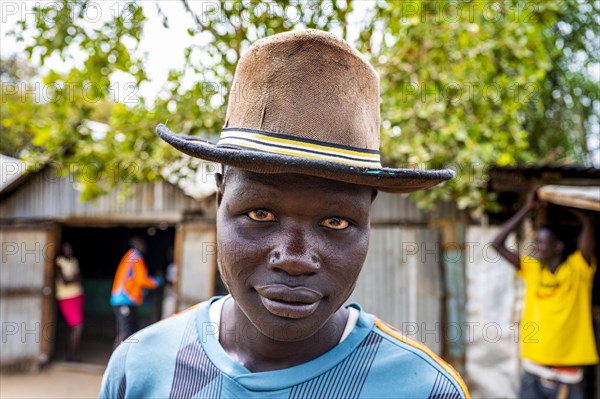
column 67, row 249
column 140, row 246
column 291, row 248
column 546, row 245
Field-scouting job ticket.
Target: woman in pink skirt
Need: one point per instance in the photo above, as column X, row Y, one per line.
column 69, row 294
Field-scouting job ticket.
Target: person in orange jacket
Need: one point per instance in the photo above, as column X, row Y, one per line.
column 128, row 288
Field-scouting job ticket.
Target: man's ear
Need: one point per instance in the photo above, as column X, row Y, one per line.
column 220, row 187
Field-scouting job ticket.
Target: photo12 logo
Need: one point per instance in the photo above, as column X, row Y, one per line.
column 32, row 332
column 469, row 332
column 60, row 91
column 468, row 11
column 76, row 12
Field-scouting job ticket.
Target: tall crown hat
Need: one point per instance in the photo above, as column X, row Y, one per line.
column 305, row 102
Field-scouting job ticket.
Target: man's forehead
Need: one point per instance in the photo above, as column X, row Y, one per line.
column 247, row 180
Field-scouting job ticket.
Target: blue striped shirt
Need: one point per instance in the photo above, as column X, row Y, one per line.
column 181, row 357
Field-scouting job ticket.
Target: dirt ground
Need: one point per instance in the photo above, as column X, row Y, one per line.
column 55, row 381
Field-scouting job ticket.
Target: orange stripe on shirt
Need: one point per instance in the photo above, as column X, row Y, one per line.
column 398, row 334
column 185, row 310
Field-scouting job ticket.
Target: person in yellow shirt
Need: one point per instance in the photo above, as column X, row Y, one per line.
column 69, row 296
column 556, row 333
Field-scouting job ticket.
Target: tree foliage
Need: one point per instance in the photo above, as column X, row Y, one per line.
column 16, row 111
column 474, row 84
column 464, row 84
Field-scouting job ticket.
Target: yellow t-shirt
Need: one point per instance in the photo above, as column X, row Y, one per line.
column 69, row 268
column 556, row 327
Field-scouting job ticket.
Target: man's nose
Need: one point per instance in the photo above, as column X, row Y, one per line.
column 295, row 253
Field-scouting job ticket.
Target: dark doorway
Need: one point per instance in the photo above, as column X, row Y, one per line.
column 99, row 251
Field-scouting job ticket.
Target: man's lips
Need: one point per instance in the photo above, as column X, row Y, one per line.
column 291, row 302
column 285, row 293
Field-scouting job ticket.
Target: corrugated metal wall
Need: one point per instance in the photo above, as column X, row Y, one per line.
column 400, row 209
column 198, row 263
column 401, row 281
column 26, row 294
column 493, row 314
column 48, row 196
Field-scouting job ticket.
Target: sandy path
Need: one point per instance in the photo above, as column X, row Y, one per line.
column 52, row 382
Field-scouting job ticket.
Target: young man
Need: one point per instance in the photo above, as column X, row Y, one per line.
column 557, row 336
column 301, row 153
column 131, row 279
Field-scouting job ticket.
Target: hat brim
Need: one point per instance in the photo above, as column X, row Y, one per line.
column 385, row 179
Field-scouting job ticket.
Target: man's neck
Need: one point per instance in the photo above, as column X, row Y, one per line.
column 554, row 263
column 257, row 352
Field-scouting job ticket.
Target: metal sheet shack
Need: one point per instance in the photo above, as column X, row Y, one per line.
column 40, row 210
column 413, row 278
column 495, row 293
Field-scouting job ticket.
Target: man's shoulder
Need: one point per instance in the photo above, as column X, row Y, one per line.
column 148, row 357
column 171, row 328
column 576, row 258
column 529, row 267
column 529, row 261
column 133, row 255
column 427, row 370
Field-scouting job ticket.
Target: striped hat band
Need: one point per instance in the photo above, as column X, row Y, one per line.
column 283, row 144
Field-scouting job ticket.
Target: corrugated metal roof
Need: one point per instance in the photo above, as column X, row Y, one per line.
column 11, row 170
column 566, row 170
column 520, row 178
column 577, row 197
column 47, row 196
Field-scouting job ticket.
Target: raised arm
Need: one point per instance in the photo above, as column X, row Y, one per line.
column 511, row 224
column 585, row 241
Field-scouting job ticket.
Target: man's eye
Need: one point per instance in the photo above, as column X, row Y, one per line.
column 335, row 223
column 262, row 215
